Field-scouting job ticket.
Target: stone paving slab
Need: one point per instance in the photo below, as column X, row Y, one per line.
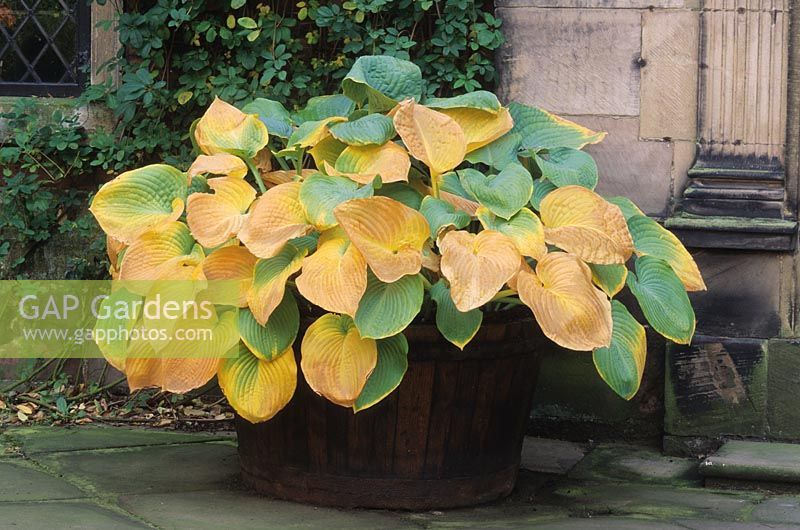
column 152, row 469
column 550, row 456
column 20, row 481
column 626, row 462
column 33, row 440
column 702, row 524
column 783, row 509
column 609, row 523
column 83, row 515
column 754, row 461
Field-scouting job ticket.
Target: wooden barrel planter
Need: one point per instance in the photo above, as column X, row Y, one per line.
column 450, row 435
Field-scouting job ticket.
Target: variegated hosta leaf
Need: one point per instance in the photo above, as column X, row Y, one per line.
column 457, row 327
column 479, row 100
column 651, row 239
column 255, row 388
column 626, row 205
column 541, row 188
column 564, row 166
column 327, row 151
column 568, row 308
column 336, row 361
column 113, row 345
column 581, row 222
column 621, row 364
column 663, row 299
column 273, row 114
column 452, row 192
column 441, row 215
column 477, row 266
column 372, row 129
column 114, row 250
column 216, row 218
column 275, row 218
column 156, row 254
column 270, row 340
column 320, row 194
column 363, row 163
column 182, row 365
column 226, row 129
column 480, row 127
column 231, row 263
column 505, row 193
column 382, row 81
column 311, row 133
column 269, row 281
column 431, row 137
column 323, row 107
column 499, row 153
column 140, row 199
column 524, row 228
column 388, row 373
column 335, row 276
column 386, row 309
column 219, row 164
column 610, row 278
column 389, row 234
column 541, row 130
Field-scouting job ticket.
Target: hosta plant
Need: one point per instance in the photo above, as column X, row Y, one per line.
column 367, row 210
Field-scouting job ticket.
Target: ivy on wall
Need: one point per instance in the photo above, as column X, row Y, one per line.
column 176, row 55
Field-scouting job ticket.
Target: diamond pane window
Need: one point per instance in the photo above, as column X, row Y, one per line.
column 44, row 47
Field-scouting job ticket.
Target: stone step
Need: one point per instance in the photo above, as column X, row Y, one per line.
column 764, row 466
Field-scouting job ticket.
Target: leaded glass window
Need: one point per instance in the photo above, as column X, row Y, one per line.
column 44, row 47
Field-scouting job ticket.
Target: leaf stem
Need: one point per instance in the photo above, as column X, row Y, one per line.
column 256, row 174
column 434, row 184
column 503, row 294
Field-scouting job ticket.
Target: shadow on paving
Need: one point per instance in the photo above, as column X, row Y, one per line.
column 107, row 478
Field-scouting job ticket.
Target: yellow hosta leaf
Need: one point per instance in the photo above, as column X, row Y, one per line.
column 114, row 248
column 269, row 281
column 524, row 229
column 215, row 218
column 465, row 205
column 480, row 127
column 140, row 199
column 161, row 253
column 275, row 218
column 430, row 259
column 363, row 163
column 334, row 277
column 225, row 129
column 477, row 266
column 570, row 310
column 282, row 176
column 255, row 388
column 581, row 222
column 327, row 150
column 218, row 164
column 232, row 263
column 388, row 233
column 431, row 137
column 311, row 133
column 336, row 361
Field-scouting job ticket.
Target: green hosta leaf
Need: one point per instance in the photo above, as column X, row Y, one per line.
column 140, row 199
column 626, row 205
column 322, row 107
column 542, row 130
column 388, row 373
column 273, row 114
column 320, row 194
column 564, row 166
column 457, row 327
column 610, row 278
column 504, row 194
column 499, row 153
column 452, row 184
column 663, row 299
column 441, row 214
column 651, row 239
column 401, row 192
column 386, row 309
column 621, row 364
column 372, row 129
column 273, row 338
column 480, row 99
column 112, row 345
column 524, row 228
column 541, row 187
column 382, row 81
column 309, row 134
column 307, row 244
column 199, row 185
